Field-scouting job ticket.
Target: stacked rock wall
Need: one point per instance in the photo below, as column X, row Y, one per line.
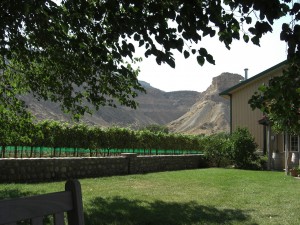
column 49, row 169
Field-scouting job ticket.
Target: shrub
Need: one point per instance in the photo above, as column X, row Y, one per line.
column 216, row 149
column 243, row 147
column 156, row 128
column 263, row 162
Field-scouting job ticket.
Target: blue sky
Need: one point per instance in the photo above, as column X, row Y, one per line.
column 188, row 75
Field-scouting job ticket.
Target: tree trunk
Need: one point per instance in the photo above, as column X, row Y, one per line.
column 286, row 146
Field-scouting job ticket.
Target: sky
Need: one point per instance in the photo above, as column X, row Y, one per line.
column 189, row 75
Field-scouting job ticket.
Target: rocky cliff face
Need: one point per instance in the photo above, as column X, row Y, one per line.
column 187, row 112
column 210, row 114
column 155, row 107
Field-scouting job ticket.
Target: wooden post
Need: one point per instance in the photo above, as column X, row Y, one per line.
column 3, row 151
column 269, row 146
column 75, row 217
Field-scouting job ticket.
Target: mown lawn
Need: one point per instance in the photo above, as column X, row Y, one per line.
column 204, row 196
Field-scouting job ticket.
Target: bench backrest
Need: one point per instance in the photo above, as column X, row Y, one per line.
column 35, row 208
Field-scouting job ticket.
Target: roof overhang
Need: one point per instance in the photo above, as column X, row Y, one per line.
column 228, row 92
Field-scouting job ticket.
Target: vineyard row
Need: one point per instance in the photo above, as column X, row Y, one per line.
column 55, row 135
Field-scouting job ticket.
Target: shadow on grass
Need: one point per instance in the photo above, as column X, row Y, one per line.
column 115, row 211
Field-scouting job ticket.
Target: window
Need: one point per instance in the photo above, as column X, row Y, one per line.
column 294, row 143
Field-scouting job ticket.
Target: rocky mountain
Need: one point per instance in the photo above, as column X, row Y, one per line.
column 187, row 112
column 155, row 107
column 210, row 114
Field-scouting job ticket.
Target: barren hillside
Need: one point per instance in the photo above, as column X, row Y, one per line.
column 210, row 114
column 187, row 112
column 155, row 107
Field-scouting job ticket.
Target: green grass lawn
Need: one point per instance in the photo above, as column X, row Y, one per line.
column 204, row 196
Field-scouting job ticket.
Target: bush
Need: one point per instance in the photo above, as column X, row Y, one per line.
column 216, row 149
column 155, row 128
column 243, row 147
column 237, row 149
column 263, row 162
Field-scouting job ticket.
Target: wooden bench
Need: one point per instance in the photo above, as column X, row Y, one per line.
column 35, row 208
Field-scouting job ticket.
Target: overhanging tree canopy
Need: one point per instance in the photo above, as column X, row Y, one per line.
column 78, row 49
column 280, row 100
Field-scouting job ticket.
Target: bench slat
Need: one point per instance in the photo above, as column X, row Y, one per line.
column 53, row 204
column 59, row 219
column 12, row 210
column 36, row 221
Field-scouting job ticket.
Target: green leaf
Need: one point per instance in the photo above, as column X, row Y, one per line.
column 131, row 47
column 262, row 88
column 186, row 54
column 255, row 40
column 141, row 43
column 296, row 8
column 212, row 33
column 171, row 62
column 246, row 38
column 158, row 60
column 252, row 30
column 180, row 28
column 200, row 60
column 203, row 51
column 136, row 37
column 179, row 44
column 248, row 20
column 210, row 59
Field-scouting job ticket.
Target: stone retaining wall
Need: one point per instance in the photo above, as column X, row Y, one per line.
column 48, row 169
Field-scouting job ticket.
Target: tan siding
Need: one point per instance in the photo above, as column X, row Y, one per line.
column 279, row 143
column 243, row 115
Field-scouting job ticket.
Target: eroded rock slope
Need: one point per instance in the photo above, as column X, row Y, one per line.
column 210, row 114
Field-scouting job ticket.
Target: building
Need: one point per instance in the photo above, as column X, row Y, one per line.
column 242, row 115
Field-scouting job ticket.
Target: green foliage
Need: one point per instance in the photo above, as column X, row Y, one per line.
column 14, row 128
column 156, row 128
column 243, row 147
column 120, row 138
column 83, row 50
column 280, row 100
column 147, row 140
column 237, row 149
column 56, row 134
column 217, row 149
column 262, row 162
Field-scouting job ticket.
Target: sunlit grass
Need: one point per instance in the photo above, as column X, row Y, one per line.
column 204, row 196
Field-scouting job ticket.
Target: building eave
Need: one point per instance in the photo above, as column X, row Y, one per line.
column 226, row 93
